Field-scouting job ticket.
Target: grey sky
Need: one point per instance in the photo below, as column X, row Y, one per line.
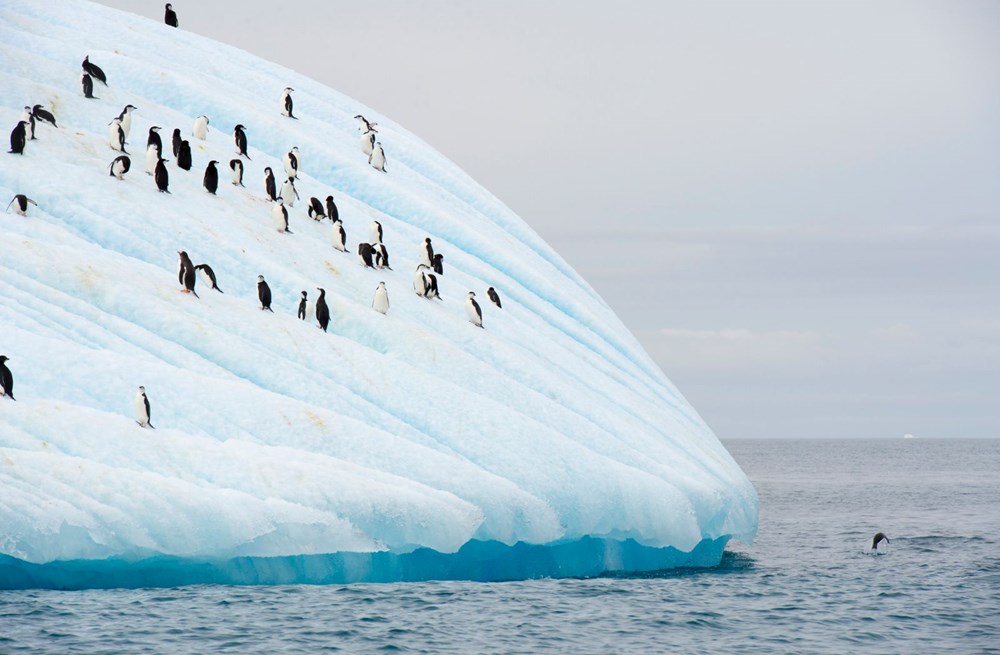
column 795, row 206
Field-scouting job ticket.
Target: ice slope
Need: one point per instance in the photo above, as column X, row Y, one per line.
column 406, row 446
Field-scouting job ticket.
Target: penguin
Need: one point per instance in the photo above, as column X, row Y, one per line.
column 878, row 538
column 29, row 118
column 377, row 158
column 472, row 307
column 116, row 136
column 176, row 141
column 438, row 264
column 280, row 215
column 18, row 138
column 368, row 143
column 288, row 193
column 322, row 311
column 186, row 273
column 184, row 155
column 160, row 176
column 331, row 209
column 120, row 166
column 364, row 125
column 170, row 16
column 154, row 140
column 126, row 118
column 365, row 252
column 152, row 157
column 22, row 204
column 264, row 294
column 240, row 138
column 6, row 379
column 41, row 114
column 375, row 231
column 200, row 129
column 211, row 179
column 315, row 209
column 94, row 71
column 208, row 276
column 381, row 256
column 431, row 286
column 141, row 405
column 339, row 236
column 494, row 297
column 427, row 253
column 291, row 161
column 286, row 102
column 87, row 85
column 269, row 184
column 381, row 301
column 420, row 280
column 237, row 167
column 303, row 301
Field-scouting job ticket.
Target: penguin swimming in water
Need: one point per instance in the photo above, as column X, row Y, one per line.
column 154, row 140
column 472, row 307
column 22, row 204
column 200, row 129
column 381, row 301
column 186, row 273
column 126, row 118
column 142, row 412
column 94, row 71
column 427, row 252
column 368, row 142
column 119, row 166
column 877, row 539
column 264, row 294
column 315, row 209
column 303, row 301
column 240, row 138
column 269, row 187
column 207, row 276
column 339, row 236
column 236, row 165
column 381, row 255
column 280, row 215
column 377, row 158
column 322, row 311
column 170, row 16
column 286, row 102
column 365, row 253
column 331, row 209
column 184, row 155
column 375, row 231
column 288, row 192
column 364, row 125
column 41, row 114
column 438, row 264
column 494, row 297
column 175, row 141
column 160, row 176
column 87, row 85
column 29, row 118
column 291, row 161
column 116, row 136
column 6, row 379
column 18, row 138
column 211, row 179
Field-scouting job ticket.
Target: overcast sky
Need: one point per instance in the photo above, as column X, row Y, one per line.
column 795, row 206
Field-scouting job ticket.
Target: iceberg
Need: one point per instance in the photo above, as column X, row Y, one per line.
column 406, row 446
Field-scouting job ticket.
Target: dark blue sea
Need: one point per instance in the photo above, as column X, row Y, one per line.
column 807, row 585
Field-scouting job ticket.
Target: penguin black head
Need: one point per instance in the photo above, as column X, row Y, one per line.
column 289, row 89
column 213, row 163
column 260, row 278
column 240, row 127
column 155, row 128
column 142, row 390
column 3, row 358
column 304, row 295
column 267, row 170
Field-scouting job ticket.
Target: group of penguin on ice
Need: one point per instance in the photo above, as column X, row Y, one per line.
column 372, row 254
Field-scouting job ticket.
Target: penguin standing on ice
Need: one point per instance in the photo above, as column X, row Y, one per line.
column 365, row 254
column 126, row 118
column 236, row 165
column 381, row 301
column 170, row 16
column 94, row 71
column 142, row 412
column 207, row 276
column 29, row 118
column 264, row 294
column 240, row 138
column 331, row 209
column 269, row 187
column 120, row 166
column 200, row 129
column 430, row 283
column 291, row 161
column 116, row 136
column 494, row 297
column 152, row 157
column 364, row 125
column 286, row 102
column 339, row 236
column 22, row 204
column 184, row 155
column 375, row 231
column 160, row 176
column 315, row 209
column 322, row 311
column 41, row 114
column 18, row 138
column 186, row 273
column 472, row 307
column 153, row 139
column 368, row 142
column 377, row 158
column 280, row 214
column 6, row 379
column 381, row 255
column 175, row 142
column 427, row 253
column 211, row 179
column 288, row 192
column 438, row 264
column 87, row 86
column 303, row 301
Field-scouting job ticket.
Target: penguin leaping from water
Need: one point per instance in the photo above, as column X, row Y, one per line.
column 94, row 71
column 120, row 166
column 170, row 16
column 22, row 204
column 472, row 307
column 240, row 139
column 142, row 411
column 381, row 301
column 6, row 379
column 264, row 294
column 879, row 538
column 286, row 102
column 200, row 129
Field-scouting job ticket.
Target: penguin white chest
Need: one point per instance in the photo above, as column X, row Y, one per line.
column 141, row 415
column 200, row 130
column 381, row 301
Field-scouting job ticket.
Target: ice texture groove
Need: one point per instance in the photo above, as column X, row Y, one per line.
column 410, row 445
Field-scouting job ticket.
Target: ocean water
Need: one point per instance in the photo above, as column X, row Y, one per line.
column 807, row 585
